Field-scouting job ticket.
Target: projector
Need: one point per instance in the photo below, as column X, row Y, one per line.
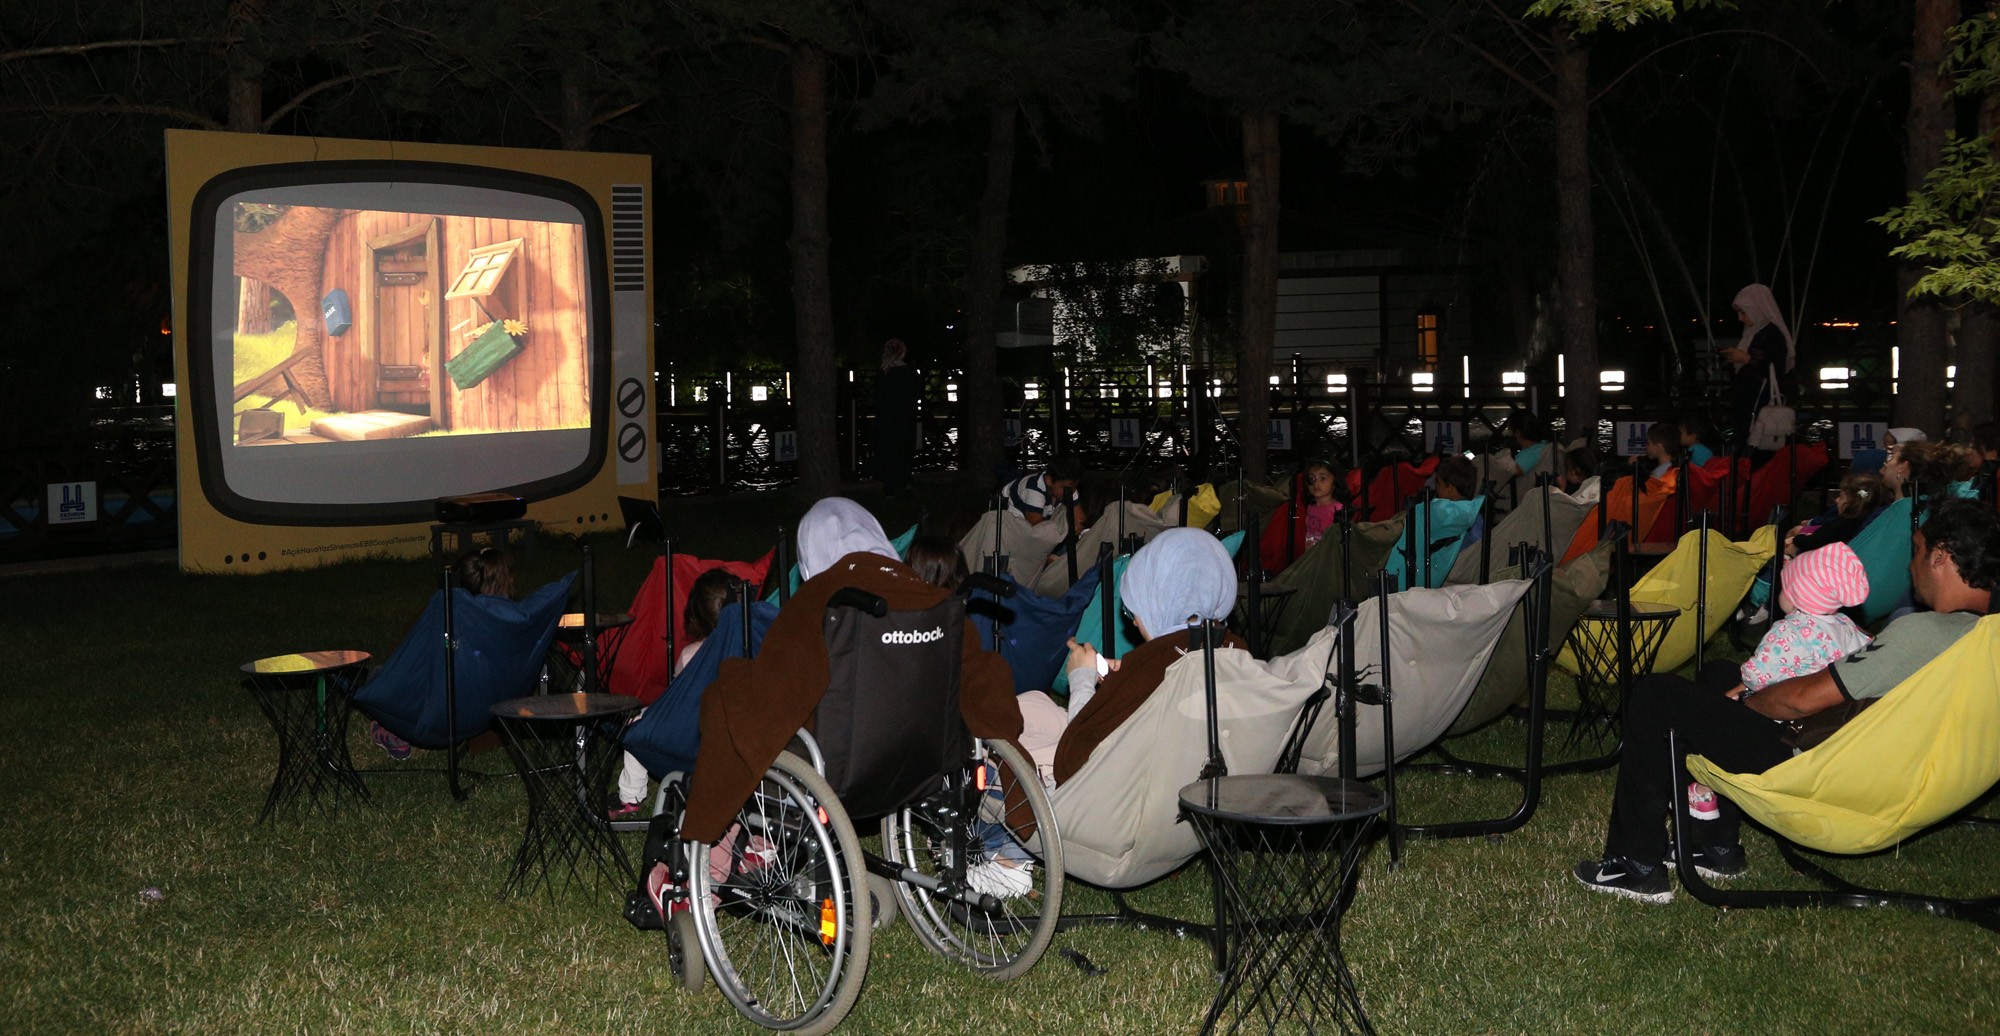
column 481, row 507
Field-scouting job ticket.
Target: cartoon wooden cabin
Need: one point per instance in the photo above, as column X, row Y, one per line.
column 410, row 323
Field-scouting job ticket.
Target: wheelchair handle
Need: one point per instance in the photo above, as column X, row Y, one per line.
column 861, row 600
column 991, row 584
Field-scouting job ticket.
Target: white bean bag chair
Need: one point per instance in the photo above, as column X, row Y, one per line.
column 1054, row 580
column 1118, row 814
column 1524, row 524
column 1027, row 546
column 1439, row 644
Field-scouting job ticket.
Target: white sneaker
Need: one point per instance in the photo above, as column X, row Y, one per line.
column 1001, row 880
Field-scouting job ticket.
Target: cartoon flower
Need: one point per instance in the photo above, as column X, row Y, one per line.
column 517, row 328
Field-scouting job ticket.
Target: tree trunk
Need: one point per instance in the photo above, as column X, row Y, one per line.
column 1576, row 245
column 1979, row 323
column 984, row 277
column 1920, row 328
column 1258, row 321
column 575, row 111
column 253, row 306
column 288, row 255
column 812, row 295
column 246, row 72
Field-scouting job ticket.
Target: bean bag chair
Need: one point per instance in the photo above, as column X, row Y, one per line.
column 664, row 740
column 1513, row 482
column 1390, row 491
column 640, row 664
column 1920, row 754
column 1134, row 519
column 1732, row 566
column 1525, row 524
column 1705, row 484
column 1655, row 494
column 1431, row 686
column 1778, row 482
column 1120, row 813
column 1035, row 642
column 1026, row 546
column 501, row 645
column 1506, row 677
column 1202, row 507
column 1317, row 579
column 1442, row 527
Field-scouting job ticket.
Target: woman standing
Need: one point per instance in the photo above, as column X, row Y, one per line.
column 1764, row 350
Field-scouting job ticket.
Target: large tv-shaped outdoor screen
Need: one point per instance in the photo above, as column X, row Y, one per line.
column 367, row 337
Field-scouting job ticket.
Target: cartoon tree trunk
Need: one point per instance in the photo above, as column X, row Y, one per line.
column 253, row 306
column 288, row 255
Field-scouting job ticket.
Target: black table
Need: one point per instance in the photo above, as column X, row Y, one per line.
column 304, row 695
column 1283, row 850
column 1601, row 690
column 565, row 672
column 565, row 747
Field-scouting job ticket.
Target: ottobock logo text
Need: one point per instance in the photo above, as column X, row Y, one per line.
column 913, row 636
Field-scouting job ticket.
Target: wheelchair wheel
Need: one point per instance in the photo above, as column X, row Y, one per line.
column 781, row 904
column 990, row 892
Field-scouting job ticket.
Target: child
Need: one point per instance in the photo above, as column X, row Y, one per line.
column 937, row 562
column 1039, row 496
column 486, row 571
column 1860, row 496
column 710, row 592
column 1812, row 635
column 1663, row 448
column 1695, row 433
column 1579, row 478
column 1303, row 521
column 1456, row 478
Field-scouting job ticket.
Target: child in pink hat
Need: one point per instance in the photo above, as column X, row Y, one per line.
column 1812, row 635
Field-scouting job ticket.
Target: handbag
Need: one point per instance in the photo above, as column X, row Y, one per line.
column 1775, row 422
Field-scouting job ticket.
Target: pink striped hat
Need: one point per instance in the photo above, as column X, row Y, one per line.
column 1823, row 581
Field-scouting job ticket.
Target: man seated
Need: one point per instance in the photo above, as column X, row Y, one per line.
column 1037, row 497
column 1954, row 568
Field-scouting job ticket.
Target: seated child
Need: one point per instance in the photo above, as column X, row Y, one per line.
column 1812, row 635
column 1663, row 448
column 1860, row 496
column 1579, row 477
column 711, row 590
column 1456, row 478
column 1696, row 434
column 486, row 571
column 1304, row 520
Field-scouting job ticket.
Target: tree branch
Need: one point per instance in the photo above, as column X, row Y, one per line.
column 85, row 48
column 1663, row 48
column 320, row 87
column 614, row 114
column 1514, row 26
column 1499, row 65
column 190, row 117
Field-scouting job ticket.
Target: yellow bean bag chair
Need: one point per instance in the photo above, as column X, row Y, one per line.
column 1202, row 507
column 1731, row 569
column 1928, row 748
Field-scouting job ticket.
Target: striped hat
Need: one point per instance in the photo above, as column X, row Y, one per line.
column 1823, row 581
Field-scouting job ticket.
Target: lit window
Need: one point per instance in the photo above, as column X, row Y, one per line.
column 1514, row 381
column 1423, row 381
column 169, row 390
column 1611, row 381
column 1336, row 383
column 1427, row 340
column 1834, row 377
column 759, row 393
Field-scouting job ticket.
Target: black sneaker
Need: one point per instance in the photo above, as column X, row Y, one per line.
column 1629, row 878
column 1715, row 862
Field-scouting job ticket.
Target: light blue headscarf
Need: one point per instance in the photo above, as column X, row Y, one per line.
column 1182, row 573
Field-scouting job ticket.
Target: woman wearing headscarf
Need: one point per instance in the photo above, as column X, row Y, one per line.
column 757, row 704
column 1764, row 350
column 1183, row 577
column 895, row 418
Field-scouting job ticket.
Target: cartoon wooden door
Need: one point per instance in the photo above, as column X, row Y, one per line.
column 408, row 333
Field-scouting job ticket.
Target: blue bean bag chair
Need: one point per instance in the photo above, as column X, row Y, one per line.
column 501, row 648
column 1090, row 628
column 1036, row 642
column 1442, row 527
column 664, row 740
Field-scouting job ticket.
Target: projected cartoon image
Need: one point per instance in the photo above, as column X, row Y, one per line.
column 358, row 324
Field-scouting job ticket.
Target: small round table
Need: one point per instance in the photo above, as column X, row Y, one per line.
column 1283, row 850
column 564, row 746
column 304, row 695
column 566, row 672
column 1600, row 691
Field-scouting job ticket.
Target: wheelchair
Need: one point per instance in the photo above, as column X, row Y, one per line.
column 780, row 912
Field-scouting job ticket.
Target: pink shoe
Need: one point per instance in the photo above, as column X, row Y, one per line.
column 1701, row 802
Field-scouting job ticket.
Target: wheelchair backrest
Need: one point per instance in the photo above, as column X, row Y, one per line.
column 889, row 723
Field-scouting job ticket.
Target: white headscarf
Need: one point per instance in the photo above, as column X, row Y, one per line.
column 835, row 528
column 1757, row 303
column 1182, row 573
column 1907, row 435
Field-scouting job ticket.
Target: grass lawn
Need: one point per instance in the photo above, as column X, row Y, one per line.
column 135, row 761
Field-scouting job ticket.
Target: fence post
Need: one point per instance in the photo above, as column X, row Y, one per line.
column 722, row 440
